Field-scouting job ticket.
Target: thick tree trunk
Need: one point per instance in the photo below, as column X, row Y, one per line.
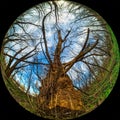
column 58, row 91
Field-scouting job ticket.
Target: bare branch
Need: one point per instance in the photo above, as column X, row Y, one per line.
column 44, row 37
column 83, row 52
column 94, row 54
column 66, row 35
column 26, row 61
column 13, row 57
column 87, row 38
column 27, row 23
column 56, row 12
column 10, row 70
column 81, row 90
column 96, row 66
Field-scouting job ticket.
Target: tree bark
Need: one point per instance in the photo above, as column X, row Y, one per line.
column 58, row 90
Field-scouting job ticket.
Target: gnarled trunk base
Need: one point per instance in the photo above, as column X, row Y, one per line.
column 61, row 93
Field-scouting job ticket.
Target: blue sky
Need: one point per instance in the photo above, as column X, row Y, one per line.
column 32, row 35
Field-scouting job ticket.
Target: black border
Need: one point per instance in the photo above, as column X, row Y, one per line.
column 10, row 10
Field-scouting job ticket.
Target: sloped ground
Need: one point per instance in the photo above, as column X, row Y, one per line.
column 56, row 112
column 65, row 102
column 60, row 113
column 25, row 100
column 101, row 88
column 95, row 98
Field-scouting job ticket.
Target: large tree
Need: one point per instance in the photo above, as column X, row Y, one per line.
column 55, row 50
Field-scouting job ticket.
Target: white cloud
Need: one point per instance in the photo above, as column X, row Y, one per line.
column 66, row 18
column 62, row 2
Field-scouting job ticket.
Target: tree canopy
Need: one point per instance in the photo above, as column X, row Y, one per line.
column 61, row 31
column 56, row 39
